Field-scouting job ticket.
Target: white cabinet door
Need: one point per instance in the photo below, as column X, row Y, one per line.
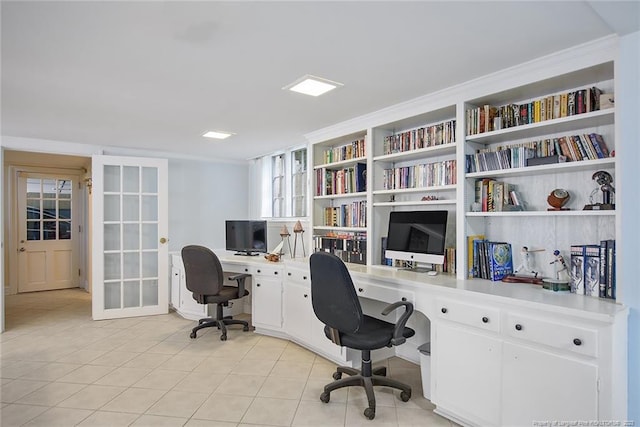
column 297, row 310
column 266, row 305
column 542, row 386
column 467, row 372
column 175, row 288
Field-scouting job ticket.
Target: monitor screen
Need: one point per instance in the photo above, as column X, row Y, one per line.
column 246, row 237
column 417, row 236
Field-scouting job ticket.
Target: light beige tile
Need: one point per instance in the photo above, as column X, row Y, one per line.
column 81, row 356
column 295, row 353
column 160, row 379
column 384, row 416
column 17, row 414
column 91, row 397
column 385, row 396
column 178, row 404
column 17, row 389
column 108, row 419
column 86, row 374
column 264, row 353
column 200, row 382
column 59, row 417
column 254, row 367
column 219, row 365
column 323, row 370
column 136, row 400
column 18, row 368
column 157, row 420
column 209, row 423
column 270, row 411
column 320, row 414
column 51, row 371
column 51, row 394
column 413, row 417
column 167, row 347
column 315, row 387
column 114, row 358
column 241, row 385
column 123, row 377
column 283, row 388
column 147, row 360
column 235, row 352
column 181, row 362
column 222, row 407
column 287, row 369
column 136, row 346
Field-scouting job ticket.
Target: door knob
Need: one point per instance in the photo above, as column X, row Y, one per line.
column 22, row 249
column 163, row 240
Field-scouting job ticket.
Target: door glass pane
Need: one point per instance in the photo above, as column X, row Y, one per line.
column 149, row 208
column 149, row 292
column 112, row 237
column 49, row 189
column 149, row 236
column 112, row 295
column 64, row 209
column 131, row 265
column 131, row 236
column 64, row 189
column 150, row 264
column 33, row 230
column 111, row 266
column 33, row 209
column 64, row 230
column 111, row 179
column 149, row 180
column 130, row 179
column 130, row 208
column 112, row 208
column 49, row 231
column 33, row 188
column 49, row 209
column 132, row 294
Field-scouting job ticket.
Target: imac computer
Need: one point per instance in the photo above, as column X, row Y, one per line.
column 246, row 237
column 417, row 237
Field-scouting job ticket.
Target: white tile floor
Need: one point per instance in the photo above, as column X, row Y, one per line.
column 60, row 368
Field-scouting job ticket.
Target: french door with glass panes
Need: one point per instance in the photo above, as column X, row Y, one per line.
column 48, row 214
column 130, row 225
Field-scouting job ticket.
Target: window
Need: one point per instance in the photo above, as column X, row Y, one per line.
column 299, row 182
column 277, row 186
column 286, row 195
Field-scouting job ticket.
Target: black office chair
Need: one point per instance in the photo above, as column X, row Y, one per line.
column 336, row 304
column 205, row 279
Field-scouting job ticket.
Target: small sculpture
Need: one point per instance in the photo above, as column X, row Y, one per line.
column 284, row 233
column 527, row 262
column 604, row 180
column 298, row 231
column 557, row 199
column 561, row 271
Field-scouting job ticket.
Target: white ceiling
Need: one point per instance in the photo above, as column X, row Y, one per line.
column 156, row 75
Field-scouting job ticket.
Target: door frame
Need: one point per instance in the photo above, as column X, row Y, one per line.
column 80, row 247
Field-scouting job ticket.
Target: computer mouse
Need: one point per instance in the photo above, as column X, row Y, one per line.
column 432, row 273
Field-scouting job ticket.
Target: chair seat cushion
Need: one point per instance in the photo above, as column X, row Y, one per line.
column 373, row 334
column 227, row 293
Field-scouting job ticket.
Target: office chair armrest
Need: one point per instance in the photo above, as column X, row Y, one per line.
column 240, row 278
column 398, row 337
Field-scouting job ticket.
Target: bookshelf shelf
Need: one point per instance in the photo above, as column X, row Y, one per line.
column 417, row 154
column 343, row 229
column 555, row 168
column 542, row 213
column 341, row 164
column 416, row 190
column 358, row 195
column 417, row 203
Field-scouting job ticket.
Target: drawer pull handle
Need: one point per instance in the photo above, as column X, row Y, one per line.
column 404, row 298
column 288, row 274
column 443, row 310
column 360, row 290
column 275, row 272
column 485, row 320
column 305, row 295
column 258, row 285
column 577, row 341
column 518, row 327
column 246, row 269
column 304, row 277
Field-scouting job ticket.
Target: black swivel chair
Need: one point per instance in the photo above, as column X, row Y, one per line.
column 205, row 279
column 336, row 304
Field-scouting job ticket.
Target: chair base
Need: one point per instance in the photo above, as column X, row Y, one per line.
column 370, row 378
column 220, row 324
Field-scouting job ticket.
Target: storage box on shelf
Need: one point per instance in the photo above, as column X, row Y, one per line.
column 540, row 125
column 340, row 197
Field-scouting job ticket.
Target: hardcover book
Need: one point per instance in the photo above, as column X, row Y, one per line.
column 592, row 270
column 500, row 260
column 577, row 269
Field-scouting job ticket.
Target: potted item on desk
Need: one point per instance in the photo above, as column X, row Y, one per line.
column 526, row 268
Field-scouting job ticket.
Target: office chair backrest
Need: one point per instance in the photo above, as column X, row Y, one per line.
column 203, row 271
column 333, row 295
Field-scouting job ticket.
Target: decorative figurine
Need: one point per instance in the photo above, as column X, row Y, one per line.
column 527, row 263
column 559, row 265
column 298, row 231
column 604, row 180
column 561, row 281
column 557, row 199
column 284, row 233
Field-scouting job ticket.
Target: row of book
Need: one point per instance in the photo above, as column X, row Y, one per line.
column 567, row 148
column 593, row 269
column 348, row 180
column 429, row 136
column 353, row 150
column 489, row 260
column 483, row 119
column 419, row 176
column 350, row 247
column 497, row 196
column 347, row 215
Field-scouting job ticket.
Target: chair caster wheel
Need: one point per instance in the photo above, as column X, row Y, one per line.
column 223, row 337
column 337, row 375
column 245, row 329
column 325, row 397
column 405, row 396
column 370, row 413
column 192, row 335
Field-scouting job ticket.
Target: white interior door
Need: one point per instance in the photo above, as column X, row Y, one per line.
column 47, row 232
column 130, row 225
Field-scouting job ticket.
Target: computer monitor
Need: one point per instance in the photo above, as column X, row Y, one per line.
column 417, row 236
column 246, row 237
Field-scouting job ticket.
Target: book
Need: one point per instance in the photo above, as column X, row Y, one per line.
column 611, row 269
column 577, row 269
column 470, row 252
column 361, row 177
column 600, row 141
column 500, row 260
column 602, row 291
column 592, row 270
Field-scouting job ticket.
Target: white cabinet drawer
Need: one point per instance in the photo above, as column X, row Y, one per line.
column 266, row 270
column 566, row 337
column 382, row 293
column 298, row 275
column 487, row 318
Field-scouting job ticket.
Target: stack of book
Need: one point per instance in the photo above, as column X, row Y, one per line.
column 419, row 176
column 415, row 139
column 593, row 269
column 353, row 150
column 350, row 247
column 489, row 260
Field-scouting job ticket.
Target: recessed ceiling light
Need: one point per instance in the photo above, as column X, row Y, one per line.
column 312, row 85
column 217, row 134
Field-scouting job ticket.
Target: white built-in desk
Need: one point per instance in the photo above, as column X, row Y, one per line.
column 501, row 353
